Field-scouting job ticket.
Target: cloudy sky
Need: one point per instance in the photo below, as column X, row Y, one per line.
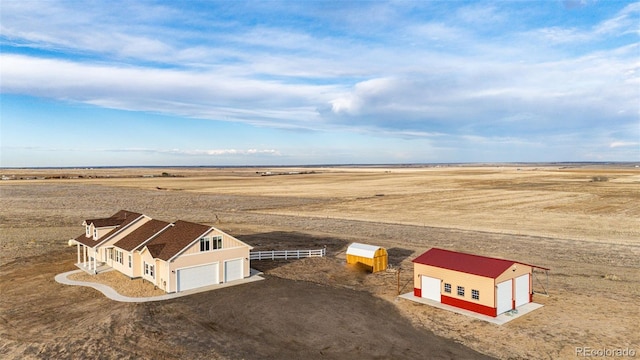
column 318, row 82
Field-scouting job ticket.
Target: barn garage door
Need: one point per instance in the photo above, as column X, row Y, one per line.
column 233, row 270
column 431, row 288
column 522, row 290
column 504, row 297
column 197, row 276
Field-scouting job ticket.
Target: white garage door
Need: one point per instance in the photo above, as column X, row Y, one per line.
column 504, row 297
column 431, row 288
column 233, row 270
column 522, row 290
column 197, row 276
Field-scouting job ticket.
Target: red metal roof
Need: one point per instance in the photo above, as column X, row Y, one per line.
column 466, row 263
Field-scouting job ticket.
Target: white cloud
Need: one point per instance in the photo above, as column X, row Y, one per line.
column 617, row 144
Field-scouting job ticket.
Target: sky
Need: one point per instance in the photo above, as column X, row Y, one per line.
column 213, row 83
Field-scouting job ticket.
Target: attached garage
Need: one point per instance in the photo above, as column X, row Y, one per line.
column 233, row 270
column 374, row 257
column 197, row 276
column 481, row 284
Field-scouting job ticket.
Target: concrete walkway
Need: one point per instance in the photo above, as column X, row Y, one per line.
column 113, row 295
column 498, row 320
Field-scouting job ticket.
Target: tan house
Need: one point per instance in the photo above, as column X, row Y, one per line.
column 481, row 284
column 189, row 255
column 173, row 256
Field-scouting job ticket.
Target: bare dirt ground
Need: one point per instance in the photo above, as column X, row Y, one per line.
column 587, row 231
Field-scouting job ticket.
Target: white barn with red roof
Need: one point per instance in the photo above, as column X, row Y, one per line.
column 485, row 285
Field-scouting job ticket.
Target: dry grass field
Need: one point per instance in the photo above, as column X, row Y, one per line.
column 582, row 222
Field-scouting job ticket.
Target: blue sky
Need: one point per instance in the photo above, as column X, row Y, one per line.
column 110, row 83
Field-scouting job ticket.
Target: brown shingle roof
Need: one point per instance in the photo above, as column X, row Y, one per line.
column 122, row 218
column 114, row 220
column 175, row 239
column 140, row 235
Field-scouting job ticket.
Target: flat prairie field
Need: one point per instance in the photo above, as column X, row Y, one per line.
column 581, row 221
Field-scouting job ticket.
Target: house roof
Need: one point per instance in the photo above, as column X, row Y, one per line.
column 121, row 219
column 138, row 236
column 364, row 250
column 466, row 263
column 116, row 219
column 177, row 237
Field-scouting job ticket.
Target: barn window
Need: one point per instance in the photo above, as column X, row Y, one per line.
column 475, row 294
column 217, row 242
column 447, row 288
column 204, row 244
column 460, row 290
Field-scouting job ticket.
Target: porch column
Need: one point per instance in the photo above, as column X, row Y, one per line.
column 84, row 255
column 95, row 256
column 78, row 250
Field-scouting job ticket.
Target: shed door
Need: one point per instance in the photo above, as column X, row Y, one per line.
column 504, row 302
column 197, row 276
column 522, row 290
column 431, row 288
column 233, row 270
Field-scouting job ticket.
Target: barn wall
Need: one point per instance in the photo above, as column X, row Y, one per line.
column 484, row 285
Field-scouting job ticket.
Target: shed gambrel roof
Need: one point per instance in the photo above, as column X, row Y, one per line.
column 138, row 236
column 466, row 263
column 177, row 237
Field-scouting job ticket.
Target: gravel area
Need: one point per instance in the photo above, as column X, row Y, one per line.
column 122, row 284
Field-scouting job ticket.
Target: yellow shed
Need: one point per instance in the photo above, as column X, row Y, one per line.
column 372, row 256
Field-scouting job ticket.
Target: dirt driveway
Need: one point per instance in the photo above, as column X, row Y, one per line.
column 272, row 319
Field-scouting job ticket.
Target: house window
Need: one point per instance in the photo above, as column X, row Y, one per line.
column 146, row 268
column 119, row 256
column 460, row 291
column 130, row 261
column 475, row 294
column 204, row 244
column 110, row 254
column 88, row 231
column 447, row 288
column 95, row 233
column 217, row 242
column 151, row 271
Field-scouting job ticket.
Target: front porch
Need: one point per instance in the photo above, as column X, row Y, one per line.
column 93, row 268
column 92, row 260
